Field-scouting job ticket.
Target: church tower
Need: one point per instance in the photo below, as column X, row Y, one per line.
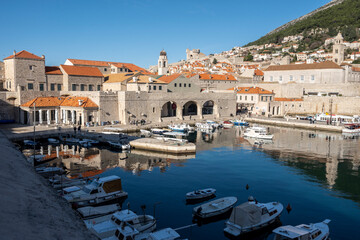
column 338, row 49
column 163, row 63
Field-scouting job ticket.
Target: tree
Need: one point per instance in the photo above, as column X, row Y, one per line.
column 357, row 61
column 249, row 57
column 215, row 61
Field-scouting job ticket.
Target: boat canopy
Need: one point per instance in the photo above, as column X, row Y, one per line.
column 112, row 186
column 246, row 215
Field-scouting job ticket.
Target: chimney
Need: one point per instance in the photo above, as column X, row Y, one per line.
column 134, row 79
column 43, row 56
column 150, row 79
column 80, row 102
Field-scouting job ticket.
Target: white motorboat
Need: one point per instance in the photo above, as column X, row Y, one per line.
column 66, row 183
column 145, row 133
column 100, row 190
column 258, row 132
column 351, row 128
column 53, row 140
column 95, row 212
column 142, row 223
column 158, row 130
column 130, row 233
column 30, row 142
column 123, row 146
column 204, row 126
column 199, row 194
column 251, row 216
column 49, row 171
column 168, row 139
column 215, row 207
column 178, row 127
column 313, row 231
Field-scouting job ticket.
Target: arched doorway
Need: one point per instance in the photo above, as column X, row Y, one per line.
column 208, row 108
column 168, row 109
column 190, row 108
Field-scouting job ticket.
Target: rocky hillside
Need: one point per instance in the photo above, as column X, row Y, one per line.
column 337, row 15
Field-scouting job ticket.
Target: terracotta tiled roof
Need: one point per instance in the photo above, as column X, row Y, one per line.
column 322, row 65
column 130, row 66
column 53, row 71
column 170, row 78
column 356, row 69
column 216, row 77
column 258, row 72
column 73, row 101
column 146, row 79
column 119, row 77
column 252, row 90
column 82, row 71
column 288, row 99
column 24, row 54
column 61, row 101
column 44, row 102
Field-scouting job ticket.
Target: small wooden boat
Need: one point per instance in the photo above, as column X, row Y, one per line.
column 200, row 194
column 215, row 207
column 314, row 231
column 240, row 123
column 251, row 216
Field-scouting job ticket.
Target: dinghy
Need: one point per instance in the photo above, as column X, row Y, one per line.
column 200, row 194
column 214, row 208
column 314, row 231
column 251, row 216
column 95, row 212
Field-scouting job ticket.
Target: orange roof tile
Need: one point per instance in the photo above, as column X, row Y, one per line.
column 170, row 78
column 53, row 70
column 252, row 90
column 25, row 55
column 82, row 71
column 60, row 101
column 258, row 72
column 217, row 77
column 322, row 65
column 131, row 67
column 73, row 101
column 288, row 99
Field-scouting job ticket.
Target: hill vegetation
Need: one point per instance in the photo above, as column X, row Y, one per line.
column 344, row 17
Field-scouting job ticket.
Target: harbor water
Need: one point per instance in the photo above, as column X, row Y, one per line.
column 317, row 173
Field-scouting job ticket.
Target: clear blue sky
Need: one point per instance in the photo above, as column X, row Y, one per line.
column 137, row 30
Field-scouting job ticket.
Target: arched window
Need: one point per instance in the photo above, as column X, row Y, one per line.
column 164, row 64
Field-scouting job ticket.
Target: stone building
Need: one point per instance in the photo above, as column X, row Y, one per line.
column 54, row 79
column 118, row 81
column 323, row 73
column 25, row 70
column 76, row 78
column 145, row 83
column 216, row 82
column 179, row 83
column 70, row 110
column 194, row 54
column 2, row 75
column 255, row 100
column 163, row 67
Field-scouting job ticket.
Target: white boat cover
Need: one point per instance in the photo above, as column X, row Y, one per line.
column 246, row 215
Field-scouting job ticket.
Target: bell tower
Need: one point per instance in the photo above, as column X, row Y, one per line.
column 162, row 63
column 338, row 49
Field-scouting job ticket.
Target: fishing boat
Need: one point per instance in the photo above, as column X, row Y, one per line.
column 240, row 123
column 351, row 128
column 258, row 132
column 30, row 143
column 313, row 231
column 215, row 207
column 99, row 191
column 199, row 194
column 53, row 140
column 227, row 124
column 251, row 216
column 95, row 212
column 142, row 223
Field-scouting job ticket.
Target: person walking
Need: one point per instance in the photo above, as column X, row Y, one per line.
column 79, row 129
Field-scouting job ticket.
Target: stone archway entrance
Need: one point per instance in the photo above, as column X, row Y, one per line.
column 208, row 108
column 169, row 109
column 190, row 108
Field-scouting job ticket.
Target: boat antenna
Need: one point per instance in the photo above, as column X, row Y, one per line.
column 33, row 162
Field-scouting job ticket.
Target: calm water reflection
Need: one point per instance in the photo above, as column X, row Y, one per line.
column 317, row 173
